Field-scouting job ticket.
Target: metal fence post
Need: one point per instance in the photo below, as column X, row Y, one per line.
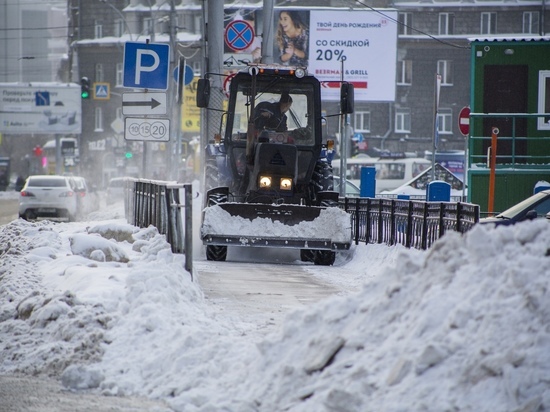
column 380, row 222
column 424, row 241
column 392, row 223
column 357, row 216
column 459, row 217
column 408, row 234
column 442, row 212
column 368, row 224
column 188, row 229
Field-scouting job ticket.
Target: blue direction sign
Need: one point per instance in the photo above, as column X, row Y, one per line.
column 146, row 65
column 42, row 98
column 239, row 35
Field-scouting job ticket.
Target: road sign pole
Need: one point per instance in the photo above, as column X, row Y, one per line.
column 464, row 127
column 179, row 103
column 173, row 162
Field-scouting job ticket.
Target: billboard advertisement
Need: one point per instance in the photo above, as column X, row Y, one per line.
column 357, row 46
column 44, row 108
column 190, row 113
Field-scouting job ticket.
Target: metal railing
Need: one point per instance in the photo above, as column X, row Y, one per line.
column 513, row 157
column 411, row 223
column 157, row 203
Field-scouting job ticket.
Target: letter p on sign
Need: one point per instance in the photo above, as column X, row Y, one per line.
column 146, row 65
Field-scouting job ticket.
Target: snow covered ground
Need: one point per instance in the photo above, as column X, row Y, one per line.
column 107, row 307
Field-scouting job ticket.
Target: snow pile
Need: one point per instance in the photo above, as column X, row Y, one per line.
column 463, row 326
column 332, row 223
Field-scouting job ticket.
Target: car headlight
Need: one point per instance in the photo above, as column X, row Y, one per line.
column 286, row 183
column 265, row 182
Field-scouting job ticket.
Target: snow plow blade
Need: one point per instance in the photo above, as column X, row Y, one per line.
column 270, row 225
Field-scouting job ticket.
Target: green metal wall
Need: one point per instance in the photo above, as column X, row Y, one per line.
column 512, row 183
column 511, row 187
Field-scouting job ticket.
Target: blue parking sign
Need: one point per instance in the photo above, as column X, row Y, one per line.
column 146, row 65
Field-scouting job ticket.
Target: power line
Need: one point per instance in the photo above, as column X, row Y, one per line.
column 447, row 43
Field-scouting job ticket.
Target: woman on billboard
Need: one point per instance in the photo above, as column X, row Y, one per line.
column 292, row 39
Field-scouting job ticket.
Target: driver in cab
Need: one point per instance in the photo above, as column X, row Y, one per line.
column 272, row 116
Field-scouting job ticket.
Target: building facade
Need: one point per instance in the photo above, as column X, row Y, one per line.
column 433, row 39
column 33, row 41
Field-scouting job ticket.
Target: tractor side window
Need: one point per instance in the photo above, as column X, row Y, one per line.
column 240, row 119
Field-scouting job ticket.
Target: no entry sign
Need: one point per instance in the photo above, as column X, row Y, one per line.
column 464, row 121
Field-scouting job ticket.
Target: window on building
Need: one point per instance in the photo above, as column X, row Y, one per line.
column 119, row 77
column 543, row 123
column 405, row 24
column 531, row 22
column 446, row 23
column 187, row 22
column 444, row 68
column 445, row 121
column 98, row 120
column 488, row 23
column 361, row 121
column 148, row 26
column 402, row 121
column 119, row 27
column 99, row 75
column 404, row 72
column 98, row 29
column 198, row 24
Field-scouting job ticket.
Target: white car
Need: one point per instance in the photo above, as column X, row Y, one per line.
column 48, row 196
column 115, row 190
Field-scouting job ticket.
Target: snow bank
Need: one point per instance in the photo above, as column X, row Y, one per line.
column 463, row 326
column 332, row 223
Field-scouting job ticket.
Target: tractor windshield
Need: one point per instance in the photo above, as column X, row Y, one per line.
column 275, row 121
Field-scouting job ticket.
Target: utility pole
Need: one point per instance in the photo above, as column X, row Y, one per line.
column 214, row 69
column 267, row 35
column 173, row 106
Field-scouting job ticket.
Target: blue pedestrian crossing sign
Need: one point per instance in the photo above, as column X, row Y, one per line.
column 102, row 91
column 146, row 65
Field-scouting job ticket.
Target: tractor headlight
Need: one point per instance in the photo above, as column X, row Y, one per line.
column 265, row 182
column 286, row 183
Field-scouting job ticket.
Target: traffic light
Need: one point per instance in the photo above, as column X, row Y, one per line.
column 85, row 88
column 128, row 155
column 37, row 151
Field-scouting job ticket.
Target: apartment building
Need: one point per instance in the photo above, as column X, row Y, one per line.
column 433, row 39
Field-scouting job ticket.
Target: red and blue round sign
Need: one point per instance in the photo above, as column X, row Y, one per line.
column 239, row 35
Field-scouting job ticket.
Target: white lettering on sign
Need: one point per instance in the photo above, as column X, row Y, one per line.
column 140, row 67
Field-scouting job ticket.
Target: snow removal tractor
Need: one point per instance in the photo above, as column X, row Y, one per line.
column 268, row 174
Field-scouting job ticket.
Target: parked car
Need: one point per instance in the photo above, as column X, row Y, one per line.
column 351, row 189
column 48, row 196
column 391, row 173
column 115, row 190
column 87, row 198
column 531, row 208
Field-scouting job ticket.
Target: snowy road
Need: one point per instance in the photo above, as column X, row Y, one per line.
column 261, row 293
column 8, row 209
column 261, row 286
